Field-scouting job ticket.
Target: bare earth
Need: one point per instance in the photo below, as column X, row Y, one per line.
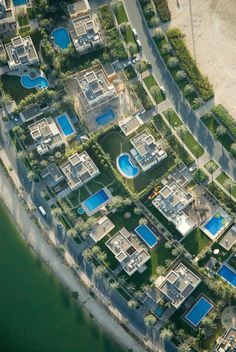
column 213, row 27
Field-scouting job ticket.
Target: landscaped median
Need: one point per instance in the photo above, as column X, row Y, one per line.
column 227, row 183
column 154, row 89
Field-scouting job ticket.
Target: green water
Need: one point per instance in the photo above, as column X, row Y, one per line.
column 36, row 313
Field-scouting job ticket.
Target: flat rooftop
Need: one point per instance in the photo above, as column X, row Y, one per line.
column 227, row 343
column 179, row 284
column 79, row 169
column 31, row 112
column 130, row 124
column 104, row 226
column 128, row 250
column 229, row 238
column 78, row 8
column 147, row 152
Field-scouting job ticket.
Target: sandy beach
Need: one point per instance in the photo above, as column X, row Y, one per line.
column 35, row 239
column 210, row 29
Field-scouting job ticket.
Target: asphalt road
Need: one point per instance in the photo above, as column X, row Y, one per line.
column 191, row 120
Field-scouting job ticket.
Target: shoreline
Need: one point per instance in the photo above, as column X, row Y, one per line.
column 35, row 239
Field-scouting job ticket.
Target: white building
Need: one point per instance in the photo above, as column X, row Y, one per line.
column 7, row 20
column 21, row 52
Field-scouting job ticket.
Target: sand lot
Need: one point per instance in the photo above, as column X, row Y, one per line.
column 213, row 27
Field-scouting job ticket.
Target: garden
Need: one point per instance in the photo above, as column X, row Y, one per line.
column 154, row 89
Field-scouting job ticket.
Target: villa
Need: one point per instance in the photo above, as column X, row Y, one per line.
column 31, row 113
column 227, row 343
column 128, row 251
column 229, row 238
column 46, row 135
column 172, row 200
column 178, row 285
column 103, row 227
column 94, row 88
column 2, row 50
column 147, row 152
column 85, row 30
column 21, row 52
column 53, row 174
column 79, row 169
column 130, row 124
column 7, row 20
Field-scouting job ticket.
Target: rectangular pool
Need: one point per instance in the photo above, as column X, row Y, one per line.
column 105, row 118
column 19, row 2
column 228, row 274
column 215, row 224
column 200, row 309
column 146, row 235
column 92, row 204
column 65, row 125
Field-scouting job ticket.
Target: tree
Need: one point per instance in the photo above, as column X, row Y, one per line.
column 188, row 89
column 114, row 285
column 233, row 149
column 159, row 34
column 150, row 320
column 172, row 62
column 166, row 334
column 72, row 233
column 220, row 131
column 87, row 254
column 165, row 48
column 31, row 176
column 184, row 347
column 155, row 91
column 160, row 270
column 142, row 221
column 180, row 75
column 57, row 212
column 132, row 304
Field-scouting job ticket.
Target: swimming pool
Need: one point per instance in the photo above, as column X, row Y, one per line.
column 200, row 309
column 39, row 82
column 65, row 125
column 215, row 224
column 61, row 37
column 105, row 118
column 228, row 274
column 92, row 204
column 126, row 167
column 19, row 2
column 159, row 311
column 146, row 235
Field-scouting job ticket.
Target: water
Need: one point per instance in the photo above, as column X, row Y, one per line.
column 228, row 274
column 125, row 166
column 96, row 201
column 19, row 2
column 37, row 82
column 65, row 125
column 146, row 235
column 215, row 224
column 199, row 311
column 105, row 118
column 36, row 313
column 61, row 37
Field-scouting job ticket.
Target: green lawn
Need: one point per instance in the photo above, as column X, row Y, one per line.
column 211, row 166
column 191, row 143
column 223, row 178
column 120, row 13
column 212, row 125
column 115, row 144
column 172, row 118
column 150, row 82
column 13, row 87
column 196, row 242
column 129, row 37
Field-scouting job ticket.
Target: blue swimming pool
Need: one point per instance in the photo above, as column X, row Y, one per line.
column 105, row 118
column 96, row 201
column 215, row 224
column 37, row 82
column 146, row 235
column 19, row 2
column 159, row 311
column 228, row 274
column 126, row 167
column 65, row 125
column 200, row 309
column 61, row 37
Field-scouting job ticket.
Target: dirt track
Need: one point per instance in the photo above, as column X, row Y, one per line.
column 212, row 24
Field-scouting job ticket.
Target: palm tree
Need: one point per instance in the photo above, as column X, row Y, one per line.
column 114, row 285
column 101, row 269
column 220, row 131
column 57, row 212
column 132, row 304
column 150, row 320
column 160, row 270
column 184, row 347
column 166, row 334
column 72, row 233
column 31, row 176
column 87, row 254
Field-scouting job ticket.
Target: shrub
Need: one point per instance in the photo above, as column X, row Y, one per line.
column 115, row 45
column 142, row 95
column 188, row 64
column 106, row 17
column 226, row 119
column 163, row 10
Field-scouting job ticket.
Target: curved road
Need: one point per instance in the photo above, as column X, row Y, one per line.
column 197, row 128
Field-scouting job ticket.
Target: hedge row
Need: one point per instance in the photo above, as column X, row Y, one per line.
column 226, row 119
column 163, row 10
column 187, row 63
column 142, row 95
